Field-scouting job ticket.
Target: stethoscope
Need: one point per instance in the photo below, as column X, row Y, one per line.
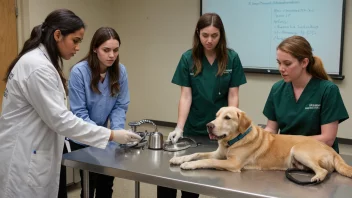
column 296, row 181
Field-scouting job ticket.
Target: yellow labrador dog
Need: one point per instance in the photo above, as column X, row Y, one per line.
column 243, row 145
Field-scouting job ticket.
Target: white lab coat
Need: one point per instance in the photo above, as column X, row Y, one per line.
column 33, row 124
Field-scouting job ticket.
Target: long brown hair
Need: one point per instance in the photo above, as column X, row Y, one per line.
column 100, row 36
column 300, row 48
column 209, row 19
column 62, row 19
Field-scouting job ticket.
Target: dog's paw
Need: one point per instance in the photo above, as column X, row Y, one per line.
column 319, row 176
column 177, row 160
column 316, row 179
column 180, row 160
column 188, row 166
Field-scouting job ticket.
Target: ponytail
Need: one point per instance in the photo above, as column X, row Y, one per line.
column 61, row 19
column 316, row 68
column 32, row 43
column 299, row 47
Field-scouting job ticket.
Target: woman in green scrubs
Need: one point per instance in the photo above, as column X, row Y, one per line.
column 209, row 75
column 305, row 102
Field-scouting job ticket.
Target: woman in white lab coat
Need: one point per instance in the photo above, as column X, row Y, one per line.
column 35, row 119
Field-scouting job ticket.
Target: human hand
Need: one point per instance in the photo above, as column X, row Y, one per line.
column 123, row 136
column 175, row 135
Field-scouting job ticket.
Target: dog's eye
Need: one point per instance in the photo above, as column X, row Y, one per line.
column 227, row 118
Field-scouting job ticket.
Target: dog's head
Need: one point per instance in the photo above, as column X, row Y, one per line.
column 229, row 123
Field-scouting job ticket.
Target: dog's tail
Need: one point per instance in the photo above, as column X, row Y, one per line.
column 341, row 166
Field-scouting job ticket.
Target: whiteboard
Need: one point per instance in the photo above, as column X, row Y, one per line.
column 254, row 28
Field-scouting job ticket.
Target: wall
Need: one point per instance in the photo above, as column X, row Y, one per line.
column 154, row 34
column 93, row 12
column 253, row 95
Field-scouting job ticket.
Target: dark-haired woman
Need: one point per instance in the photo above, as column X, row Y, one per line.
column 210, row 75
column 35, row 118
column 98, row 92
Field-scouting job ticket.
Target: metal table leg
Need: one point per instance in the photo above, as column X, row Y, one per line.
column 85, row 184
column 136, row 189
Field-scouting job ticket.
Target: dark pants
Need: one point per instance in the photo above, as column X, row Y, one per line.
column 164, row 192
column 62, row 185
column 101, row 184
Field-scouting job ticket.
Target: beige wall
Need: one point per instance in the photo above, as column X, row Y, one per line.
column 154, row 34
column 95, row 14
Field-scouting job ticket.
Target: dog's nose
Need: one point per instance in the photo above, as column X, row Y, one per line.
column 210, row 127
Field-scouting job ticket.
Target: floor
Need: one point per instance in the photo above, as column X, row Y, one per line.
column 125, row 188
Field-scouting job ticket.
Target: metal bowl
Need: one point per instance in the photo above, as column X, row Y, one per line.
column 182, row 144
column 132, row 144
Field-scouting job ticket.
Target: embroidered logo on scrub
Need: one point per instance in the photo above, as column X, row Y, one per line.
column 312, row 106
column 228, row 71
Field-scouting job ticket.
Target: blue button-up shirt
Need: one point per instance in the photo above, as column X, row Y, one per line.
column 96, row 108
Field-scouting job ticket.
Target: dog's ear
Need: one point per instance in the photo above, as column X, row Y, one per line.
column 219, row 111
column 243, row 122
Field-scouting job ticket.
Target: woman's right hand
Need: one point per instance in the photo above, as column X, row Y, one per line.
column 123, row 136
column 175, row 135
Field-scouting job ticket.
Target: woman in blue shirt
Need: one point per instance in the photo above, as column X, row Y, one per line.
column 98, row 92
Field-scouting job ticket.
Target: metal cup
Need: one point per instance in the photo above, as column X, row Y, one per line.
column 156, row 141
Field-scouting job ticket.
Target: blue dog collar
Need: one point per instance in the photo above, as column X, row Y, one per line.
column 239, row 137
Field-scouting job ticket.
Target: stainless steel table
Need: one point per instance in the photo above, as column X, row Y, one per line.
column 152, row 166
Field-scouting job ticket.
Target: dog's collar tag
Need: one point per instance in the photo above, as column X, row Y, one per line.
column 239, row 137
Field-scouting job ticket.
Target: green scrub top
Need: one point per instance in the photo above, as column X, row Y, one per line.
column 320, row 103
column 209, row 92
